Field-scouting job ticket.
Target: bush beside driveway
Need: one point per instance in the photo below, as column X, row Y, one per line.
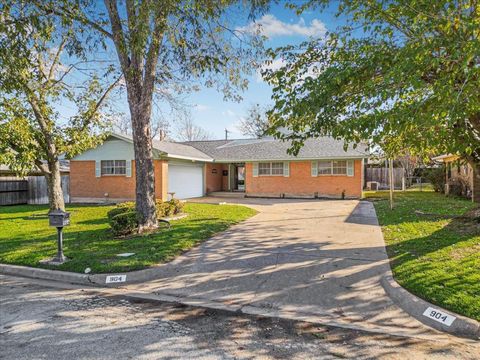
column 433, row 243
column 26, row 238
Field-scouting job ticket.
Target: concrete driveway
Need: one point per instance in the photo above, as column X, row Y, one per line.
column 321, row 260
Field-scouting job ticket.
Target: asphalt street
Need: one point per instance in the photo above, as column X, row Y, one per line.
column 38, row 321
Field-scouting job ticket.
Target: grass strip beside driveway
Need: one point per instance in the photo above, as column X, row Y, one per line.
column 434, row 246
column 26, row 238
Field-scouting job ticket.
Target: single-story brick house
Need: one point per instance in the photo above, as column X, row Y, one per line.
column 257, row 167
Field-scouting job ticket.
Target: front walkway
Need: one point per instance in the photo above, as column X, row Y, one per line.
column 319, row 259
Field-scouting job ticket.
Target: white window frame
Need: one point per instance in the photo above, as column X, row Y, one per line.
column 321, row 168
column 337, row 167
column 118, row 165
column 270, row 168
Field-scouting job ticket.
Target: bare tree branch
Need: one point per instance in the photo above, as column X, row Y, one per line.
column 100, row 101
column 118, row 35
column 152, row 56
column 56, row 59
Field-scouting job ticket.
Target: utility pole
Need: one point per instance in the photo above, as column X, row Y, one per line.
column 226, row 134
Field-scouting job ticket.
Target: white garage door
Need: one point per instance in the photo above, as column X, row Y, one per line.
column 186, row 181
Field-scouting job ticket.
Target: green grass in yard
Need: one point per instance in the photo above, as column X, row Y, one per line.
column 26, row 238
column 436, row 257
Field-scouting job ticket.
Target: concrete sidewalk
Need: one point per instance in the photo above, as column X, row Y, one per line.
column 317, row 259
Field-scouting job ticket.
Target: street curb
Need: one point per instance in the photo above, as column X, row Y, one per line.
column 415, row 306
column 36, row 273
column 132, row 277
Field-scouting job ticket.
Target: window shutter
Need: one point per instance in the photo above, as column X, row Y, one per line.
column 128, row 168
column 314, row 168
column 350, row 171
column 98, row 168
column 286, row 169
column 255, row 169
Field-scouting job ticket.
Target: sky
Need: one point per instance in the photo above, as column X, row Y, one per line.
column 282, row 27
column 208, row 109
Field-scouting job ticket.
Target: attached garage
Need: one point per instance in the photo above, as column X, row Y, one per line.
column 185, row 180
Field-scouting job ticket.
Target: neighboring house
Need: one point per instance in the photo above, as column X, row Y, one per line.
column 459, row 177
column 257, row 167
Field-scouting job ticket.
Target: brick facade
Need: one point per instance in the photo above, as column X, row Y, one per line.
column 301, row 183
column 161, row 179
column 214, row 179
column 85, row 186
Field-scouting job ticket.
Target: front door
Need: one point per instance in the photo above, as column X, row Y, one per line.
column 240, row 178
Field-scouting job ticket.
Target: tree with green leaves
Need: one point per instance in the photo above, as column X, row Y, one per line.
column 43, row 67
column 166, row 47
column 404, row 74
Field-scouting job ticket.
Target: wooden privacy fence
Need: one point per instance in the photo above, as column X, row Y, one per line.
column 13, row 191
column 380, row 175
column 37, row 189
column 31, row 190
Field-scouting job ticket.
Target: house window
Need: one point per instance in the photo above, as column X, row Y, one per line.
column 336, row 167
column 324, row 168
column 339, row 167
column 270, row 168
column 114, row 167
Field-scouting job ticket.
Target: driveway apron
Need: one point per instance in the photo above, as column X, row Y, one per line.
column 320, row 258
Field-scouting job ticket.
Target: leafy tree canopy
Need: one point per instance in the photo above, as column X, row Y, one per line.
column 404, row 74
column 44, row 66
column 44, row 69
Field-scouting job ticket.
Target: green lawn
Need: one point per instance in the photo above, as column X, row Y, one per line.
column 26, row 238
column 436, row 257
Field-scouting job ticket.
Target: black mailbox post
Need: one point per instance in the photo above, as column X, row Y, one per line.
column 59, row 219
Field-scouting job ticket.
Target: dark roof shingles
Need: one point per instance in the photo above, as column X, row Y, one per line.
column 271, row 149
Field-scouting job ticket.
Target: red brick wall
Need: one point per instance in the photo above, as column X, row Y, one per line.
column 161, row 179
column 225, row 167
column 301, row 183
column 216, row 182
column 84, row 184
column 213, row 177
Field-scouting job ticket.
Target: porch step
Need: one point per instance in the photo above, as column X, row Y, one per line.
column 227, row 194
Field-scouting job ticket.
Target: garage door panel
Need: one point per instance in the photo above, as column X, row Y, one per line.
column 185, row 181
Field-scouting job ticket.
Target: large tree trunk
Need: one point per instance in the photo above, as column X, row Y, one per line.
column 144, row 170
column 54, row 183
column 139, row 68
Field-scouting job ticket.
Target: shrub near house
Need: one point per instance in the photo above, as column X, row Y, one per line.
column 123, row 219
